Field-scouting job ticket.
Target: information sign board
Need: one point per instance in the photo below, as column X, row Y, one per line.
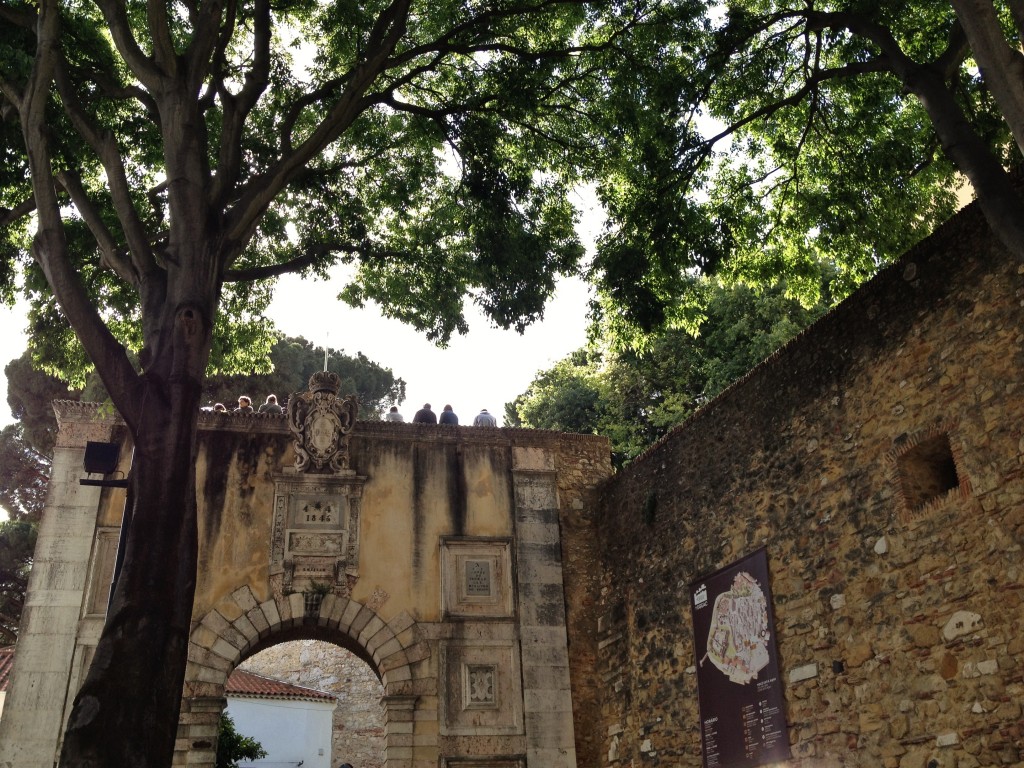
column 742, row 708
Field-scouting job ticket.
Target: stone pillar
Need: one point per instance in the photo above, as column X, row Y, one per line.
column 196, row 744
column 399, row 724
column 42, row 684
column 547, row 698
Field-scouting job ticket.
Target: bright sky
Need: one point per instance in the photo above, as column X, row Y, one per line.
column 484, row 369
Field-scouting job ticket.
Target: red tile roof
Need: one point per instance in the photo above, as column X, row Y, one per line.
column 6, row 662
column 242, row 683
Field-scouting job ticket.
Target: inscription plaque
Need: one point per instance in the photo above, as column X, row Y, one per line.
column 315, row 532
column 478, row 578
column 309, row 511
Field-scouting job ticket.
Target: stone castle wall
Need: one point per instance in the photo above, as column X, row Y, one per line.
column 878, row 458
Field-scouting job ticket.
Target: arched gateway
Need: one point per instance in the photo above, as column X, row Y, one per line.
column 432, row 552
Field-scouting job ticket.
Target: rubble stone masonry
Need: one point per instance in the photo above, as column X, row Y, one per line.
column 878, row 458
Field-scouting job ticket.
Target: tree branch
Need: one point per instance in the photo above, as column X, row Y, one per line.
column 859, row 68
column 163, row 46
column 116, row 16
column 238, row 107
column 19, row 17
column 260, row 191
column 997, row 195
column 10, row 215
column 49, row 247
column 104, row 144
column 1001, row 65
column 109, row 256
column 313, row 254
column 206, row 40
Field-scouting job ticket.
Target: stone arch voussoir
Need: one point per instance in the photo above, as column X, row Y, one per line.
column 240, row 622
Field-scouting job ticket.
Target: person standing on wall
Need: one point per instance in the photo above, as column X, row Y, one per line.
column 425, row 416
column 485, row 419
column 271, row 406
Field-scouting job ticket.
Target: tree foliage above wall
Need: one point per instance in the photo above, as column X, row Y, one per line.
column 634, row 396
column 783, row 137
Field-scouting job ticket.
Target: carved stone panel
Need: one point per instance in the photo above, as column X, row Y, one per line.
column 315, row 533
column 320, row 422
column 482, row 688
column 476, row 578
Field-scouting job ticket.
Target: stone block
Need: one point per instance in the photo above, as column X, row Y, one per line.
column 389, row 648
column 547, row 700
column 269, row 608
column 803, row 672
column 244, row 597
column 373, row 627
column 351, row 611
column 297, row 607
column 246, row 629
column 961, row 623
column 401, row 622
column 337, row 610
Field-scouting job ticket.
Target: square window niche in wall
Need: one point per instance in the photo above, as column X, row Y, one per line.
column 476, row 578
column 927, row 472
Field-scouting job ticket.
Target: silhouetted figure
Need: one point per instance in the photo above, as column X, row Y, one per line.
column 448, row 416
column 484, row 419
column 425, row 416
column 219, row 408
column 271, row 406
column 394, row 415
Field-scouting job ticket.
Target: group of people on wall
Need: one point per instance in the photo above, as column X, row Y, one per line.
column 245, row 406
column 427, row 416
column 423, row 416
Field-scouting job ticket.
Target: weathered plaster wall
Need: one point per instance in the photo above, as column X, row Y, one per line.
column 439, row 483
column 470, row 665
column 429, row 498
column 803, row 457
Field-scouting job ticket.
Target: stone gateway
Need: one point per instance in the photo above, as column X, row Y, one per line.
column 524, row 607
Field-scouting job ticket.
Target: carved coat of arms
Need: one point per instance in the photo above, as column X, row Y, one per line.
column 320, row 422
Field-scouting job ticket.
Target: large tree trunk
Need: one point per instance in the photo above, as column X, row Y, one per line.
column 998, row 197
column 1002, row 64
column 138, row 669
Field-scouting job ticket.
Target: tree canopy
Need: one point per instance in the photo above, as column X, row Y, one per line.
column 17, row 543
column 784, row 137
column 294, row 360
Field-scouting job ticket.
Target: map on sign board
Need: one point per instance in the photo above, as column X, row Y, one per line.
column 738, row 638
column 742, row 705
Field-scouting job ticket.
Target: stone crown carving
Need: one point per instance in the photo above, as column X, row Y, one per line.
column 320, row 421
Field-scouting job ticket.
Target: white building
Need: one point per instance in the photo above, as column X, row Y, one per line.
column 293, row 724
